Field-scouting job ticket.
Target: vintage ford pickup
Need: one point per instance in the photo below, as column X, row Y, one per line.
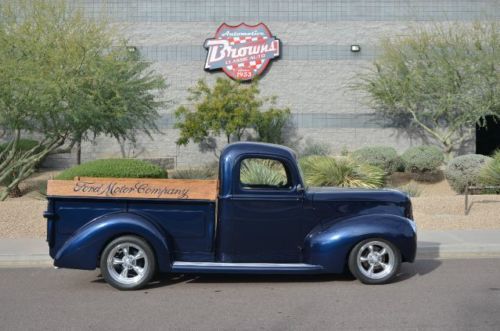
column 133, row 228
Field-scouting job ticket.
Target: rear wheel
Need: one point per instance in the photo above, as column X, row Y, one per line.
column 374, row 261
column 128, row 263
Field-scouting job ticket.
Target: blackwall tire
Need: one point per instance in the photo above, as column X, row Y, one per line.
column 375, row 261
column 128, row 263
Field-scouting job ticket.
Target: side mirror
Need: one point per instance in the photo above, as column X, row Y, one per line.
column 300, row 188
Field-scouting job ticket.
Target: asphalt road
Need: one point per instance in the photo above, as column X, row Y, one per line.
column 440, row 295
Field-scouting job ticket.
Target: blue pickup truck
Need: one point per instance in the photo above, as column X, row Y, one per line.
column 250, row 226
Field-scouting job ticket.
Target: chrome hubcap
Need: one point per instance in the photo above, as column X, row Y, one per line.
column 376, row 259
column 127, row 263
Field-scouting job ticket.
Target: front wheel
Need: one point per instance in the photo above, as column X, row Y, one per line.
column 128, row 263
column 374, row 261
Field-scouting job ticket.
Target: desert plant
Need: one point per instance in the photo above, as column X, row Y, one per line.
column 262, row 172
column 383, row 157
column 24, row 146
column 270, row 125
column 344, row 151
column 490, row 174
column 314, row 148
column 441, row 80
column 343, row 172
column 115, row 168
column 66, row 79
column 412, row 189
column 203, row 172
column 465, row 170
column 423, row 162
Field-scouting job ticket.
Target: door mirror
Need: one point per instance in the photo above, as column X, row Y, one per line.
column 300, row 188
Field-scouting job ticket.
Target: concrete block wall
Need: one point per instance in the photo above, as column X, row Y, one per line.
column 312, row 78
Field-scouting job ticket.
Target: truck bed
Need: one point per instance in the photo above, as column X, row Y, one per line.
column 187, row 220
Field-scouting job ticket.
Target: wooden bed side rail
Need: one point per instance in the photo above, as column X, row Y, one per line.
column 143, row 188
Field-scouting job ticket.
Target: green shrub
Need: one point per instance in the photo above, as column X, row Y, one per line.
column 423, row 162
column 490, row 174
column 464, row 170
column 204, row 172
column 314, row 148
column 342, row 172
column 116, row 168
column 383, row 157
column 42, row 188
column 270, row 125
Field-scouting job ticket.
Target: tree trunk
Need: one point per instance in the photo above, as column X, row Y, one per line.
column 79, row 152
column 448, row 152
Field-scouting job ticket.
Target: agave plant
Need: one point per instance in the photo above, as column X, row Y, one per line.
column 342, row 172
column 490, row 174
column 262, row 172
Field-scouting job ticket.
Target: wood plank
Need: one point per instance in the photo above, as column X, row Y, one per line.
column 144, row 188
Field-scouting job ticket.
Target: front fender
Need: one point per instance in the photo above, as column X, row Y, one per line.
column 329, row 244
column 82, row 250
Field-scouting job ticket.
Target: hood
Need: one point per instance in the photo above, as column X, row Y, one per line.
column 343, row 202
column 357, row 194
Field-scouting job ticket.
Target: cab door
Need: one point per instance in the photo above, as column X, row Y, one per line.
column 261, row 219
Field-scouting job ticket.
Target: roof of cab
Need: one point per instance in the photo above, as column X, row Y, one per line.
column 235, row 149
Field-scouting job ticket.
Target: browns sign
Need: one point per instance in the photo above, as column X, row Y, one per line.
column 243, row 51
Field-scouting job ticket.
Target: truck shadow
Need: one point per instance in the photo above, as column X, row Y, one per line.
column 419, row 268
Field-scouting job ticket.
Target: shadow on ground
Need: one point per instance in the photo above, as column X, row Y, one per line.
column 419, row 268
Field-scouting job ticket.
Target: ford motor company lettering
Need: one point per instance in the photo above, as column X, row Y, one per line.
column 141, row 188
column 243, row 51
column 114, row 188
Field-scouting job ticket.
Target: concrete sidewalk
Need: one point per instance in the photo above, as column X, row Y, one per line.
column 431, row 245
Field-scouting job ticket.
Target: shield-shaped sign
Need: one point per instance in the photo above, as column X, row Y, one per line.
column 242, row 51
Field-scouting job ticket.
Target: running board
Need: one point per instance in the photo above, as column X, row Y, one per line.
column 255, row 268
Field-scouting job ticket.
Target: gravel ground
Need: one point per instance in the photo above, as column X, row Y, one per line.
column 437, row 208
column 447, row 212
column 22, row 218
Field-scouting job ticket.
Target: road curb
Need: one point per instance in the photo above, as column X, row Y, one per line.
column 458, row 251
column 25, row 261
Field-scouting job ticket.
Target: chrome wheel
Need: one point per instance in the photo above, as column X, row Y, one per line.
column 376, row 260
column 127, row 263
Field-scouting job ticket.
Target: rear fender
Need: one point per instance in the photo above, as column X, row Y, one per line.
column 82, row 250
column 329, row 244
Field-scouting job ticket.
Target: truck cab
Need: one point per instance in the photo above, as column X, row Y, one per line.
column 255, row 223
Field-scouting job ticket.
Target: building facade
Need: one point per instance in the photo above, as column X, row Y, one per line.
column 313, row 75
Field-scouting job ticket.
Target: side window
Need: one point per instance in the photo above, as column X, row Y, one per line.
column 259, row 173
